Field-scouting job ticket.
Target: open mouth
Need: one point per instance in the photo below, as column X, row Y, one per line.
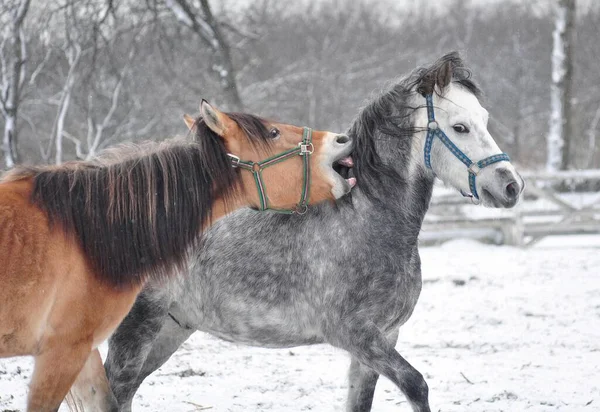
column 344, row 167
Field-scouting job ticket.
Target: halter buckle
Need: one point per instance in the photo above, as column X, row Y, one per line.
column 235, row 161
column 433, row 125
column 306, row 149
column 474, row 168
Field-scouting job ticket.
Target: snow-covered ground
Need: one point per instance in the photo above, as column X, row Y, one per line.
column 496, row 329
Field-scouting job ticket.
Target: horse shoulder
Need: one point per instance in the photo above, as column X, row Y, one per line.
column 23, row 240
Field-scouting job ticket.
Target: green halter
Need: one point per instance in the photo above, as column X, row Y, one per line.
column 304, row 149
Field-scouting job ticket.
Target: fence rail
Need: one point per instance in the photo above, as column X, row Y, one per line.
column 543, row 212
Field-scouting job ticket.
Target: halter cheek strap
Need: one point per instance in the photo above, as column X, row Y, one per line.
column 433, row 130
column 304, row 149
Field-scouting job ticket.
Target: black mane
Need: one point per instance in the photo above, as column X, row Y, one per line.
column 138, row 209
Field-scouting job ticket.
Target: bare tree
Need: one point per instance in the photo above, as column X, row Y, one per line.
column 561, row 130
column 78, row 40
column 12, row 69
column 209, row 30
column 98, row 52
column 100, row 71
column 73, row 53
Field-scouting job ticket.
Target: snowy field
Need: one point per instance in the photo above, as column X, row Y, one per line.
column 496, row 329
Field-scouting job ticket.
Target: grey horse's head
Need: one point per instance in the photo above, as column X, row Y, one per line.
column 392, row 136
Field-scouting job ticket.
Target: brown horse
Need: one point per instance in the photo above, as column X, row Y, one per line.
column 78, row 241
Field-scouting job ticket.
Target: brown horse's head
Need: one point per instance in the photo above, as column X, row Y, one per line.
column 254, row 140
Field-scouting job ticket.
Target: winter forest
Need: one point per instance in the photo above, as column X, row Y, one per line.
column 79, row 76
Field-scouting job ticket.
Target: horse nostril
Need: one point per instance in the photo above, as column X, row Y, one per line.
column 342, row 139
column 512, row 190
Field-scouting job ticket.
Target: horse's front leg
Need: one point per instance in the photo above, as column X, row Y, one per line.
column 90, row 392
column 362, row 381
column 369, row 346
column 56, row 368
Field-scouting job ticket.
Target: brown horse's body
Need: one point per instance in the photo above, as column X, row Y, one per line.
column 48, row 292
column 78, row 241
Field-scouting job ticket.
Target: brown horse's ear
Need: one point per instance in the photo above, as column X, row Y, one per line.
column 190, row 122
column 216, row 120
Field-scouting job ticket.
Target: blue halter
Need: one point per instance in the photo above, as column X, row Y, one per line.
column 474, row 168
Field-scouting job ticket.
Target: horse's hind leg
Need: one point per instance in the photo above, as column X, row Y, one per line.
column 171, row 336
column 90, row 392
column 362, row 381
column 56, row 368
column 369, row 346
column 131, row 342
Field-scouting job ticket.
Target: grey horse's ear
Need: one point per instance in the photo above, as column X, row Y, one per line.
column 444, row 75
column 438, row 76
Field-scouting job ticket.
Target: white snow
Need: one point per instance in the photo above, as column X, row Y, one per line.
column 496, row 329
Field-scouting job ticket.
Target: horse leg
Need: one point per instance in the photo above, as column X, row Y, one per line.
column 91, row 392
column 171, row 337
column 369, row 346
column 362, row 382
column 56, row 368
column 131, row 343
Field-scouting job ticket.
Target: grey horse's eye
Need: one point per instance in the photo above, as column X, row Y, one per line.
column 460, row 128
column 274, row 133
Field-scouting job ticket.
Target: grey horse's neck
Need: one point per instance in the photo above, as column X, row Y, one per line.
column 386, row 134
column 402, row 210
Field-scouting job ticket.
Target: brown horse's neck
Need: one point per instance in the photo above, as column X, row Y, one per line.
column 239, row 198
column 222, row 208
column 242, row 195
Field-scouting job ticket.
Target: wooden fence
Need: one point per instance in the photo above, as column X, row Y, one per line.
column 542, row 212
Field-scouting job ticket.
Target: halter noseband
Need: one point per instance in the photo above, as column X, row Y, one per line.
column 474, row 168
column 305, row 149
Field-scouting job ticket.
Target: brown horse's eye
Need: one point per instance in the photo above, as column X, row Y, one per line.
column 274, row 133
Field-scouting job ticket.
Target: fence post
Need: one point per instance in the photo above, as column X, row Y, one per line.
column 513, row 233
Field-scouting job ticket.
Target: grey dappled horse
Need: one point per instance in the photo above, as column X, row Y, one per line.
column 348, row 275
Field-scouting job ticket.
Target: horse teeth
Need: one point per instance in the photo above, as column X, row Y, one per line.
column 351, row 181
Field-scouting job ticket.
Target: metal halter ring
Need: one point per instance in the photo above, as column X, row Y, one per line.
column 474, row 168
column 235, row 160
column 306, row 148
column 301, row 209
